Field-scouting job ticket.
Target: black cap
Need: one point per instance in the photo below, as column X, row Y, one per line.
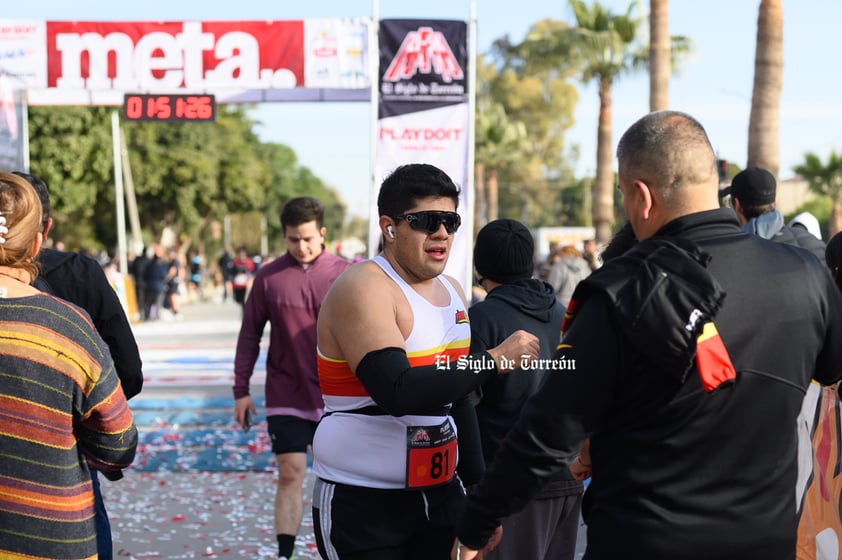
column 753, row 186
column 503, row 251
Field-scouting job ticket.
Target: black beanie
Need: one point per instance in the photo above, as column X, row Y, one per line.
column 503, row 251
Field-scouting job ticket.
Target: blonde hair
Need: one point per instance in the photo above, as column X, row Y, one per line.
column 20, row 205
column 569, row 251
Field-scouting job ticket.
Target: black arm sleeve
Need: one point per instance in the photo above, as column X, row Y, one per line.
column 401, row 389
column 471, row 463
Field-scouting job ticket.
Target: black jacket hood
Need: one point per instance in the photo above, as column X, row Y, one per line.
column 532, row 296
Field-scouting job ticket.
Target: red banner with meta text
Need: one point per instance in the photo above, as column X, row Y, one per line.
column 97, row 63
column 173, row 56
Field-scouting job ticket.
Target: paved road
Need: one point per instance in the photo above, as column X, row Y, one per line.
column 199, row 488
column 185, row 410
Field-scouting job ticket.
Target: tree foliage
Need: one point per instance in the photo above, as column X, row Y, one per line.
column 602, row 47
column 607, row 47
column 72, row 150
column 500, row 142
column 825, row 179
column 525, row 106
column 187, row 177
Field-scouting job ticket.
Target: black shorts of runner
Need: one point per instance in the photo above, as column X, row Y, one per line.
column 240, row 295
column 356, row 523
column 290, row 434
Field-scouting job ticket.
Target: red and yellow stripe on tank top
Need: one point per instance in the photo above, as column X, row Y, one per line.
column 337, row 379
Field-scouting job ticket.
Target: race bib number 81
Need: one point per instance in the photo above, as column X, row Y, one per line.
column 430, row 455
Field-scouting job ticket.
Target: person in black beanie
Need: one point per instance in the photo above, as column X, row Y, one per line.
column 504, row 251
column 503, row 258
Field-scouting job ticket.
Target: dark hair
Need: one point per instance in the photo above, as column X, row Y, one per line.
column 43, row 194
column 754, row 211
column 412, row 182
column 833, row 257
column 301, row 210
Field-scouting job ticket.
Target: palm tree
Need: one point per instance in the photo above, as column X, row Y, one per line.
column 607, row 46
column 659, row 55
column 499, row 141
column 825, row 180
column 526, row 159
column 763, row 128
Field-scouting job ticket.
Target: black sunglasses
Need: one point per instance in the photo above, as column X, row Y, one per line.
column 429, row 221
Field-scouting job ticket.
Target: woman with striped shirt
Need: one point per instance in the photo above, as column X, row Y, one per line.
column 62, row 409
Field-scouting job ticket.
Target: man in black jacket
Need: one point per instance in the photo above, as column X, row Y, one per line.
column 503, row 257
column 693, row 352
column 81, row 280
column 752, row 193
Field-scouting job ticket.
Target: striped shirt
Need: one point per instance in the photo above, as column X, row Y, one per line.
column 62, row 412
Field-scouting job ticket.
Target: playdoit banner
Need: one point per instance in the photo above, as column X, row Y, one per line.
column 12, row 137
column 15, row 42
column 423, row 113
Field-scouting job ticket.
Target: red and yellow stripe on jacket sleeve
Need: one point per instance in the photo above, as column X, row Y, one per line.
column 712, row 359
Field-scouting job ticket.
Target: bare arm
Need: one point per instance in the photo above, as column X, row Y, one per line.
column 360, row 315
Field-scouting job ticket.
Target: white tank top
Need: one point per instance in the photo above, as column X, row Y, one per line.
column 371, row 450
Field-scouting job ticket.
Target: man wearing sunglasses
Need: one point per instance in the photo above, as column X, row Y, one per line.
column 393, row 341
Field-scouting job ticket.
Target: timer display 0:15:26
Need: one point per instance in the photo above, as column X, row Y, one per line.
column 169, row 107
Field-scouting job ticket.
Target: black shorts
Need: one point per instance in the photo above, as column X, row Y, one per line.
column 290, row 434
column 356, row 523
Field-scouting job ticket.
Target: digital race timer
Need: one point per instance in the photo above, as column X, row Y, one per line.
column 169, row 107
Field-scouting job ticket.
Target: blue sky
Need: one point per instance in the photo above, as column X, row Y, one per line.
column 714, row 84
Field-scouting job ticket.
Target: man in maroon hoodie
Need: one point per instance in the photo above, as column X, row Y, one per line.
column 288, row 293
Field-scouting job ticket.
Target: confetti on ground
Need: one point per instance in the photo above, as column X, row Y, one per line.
column 210, row 514
column 199, row 487
column 198, row 434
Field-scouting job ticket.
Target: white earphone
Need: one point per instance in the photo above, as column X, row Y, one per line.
column 390, row 231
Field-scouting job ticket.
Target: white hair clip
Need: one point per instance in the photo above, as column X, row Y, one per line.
column 3, row 229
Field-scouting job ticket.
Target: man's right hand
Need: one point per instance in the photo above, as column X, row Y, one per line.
column 510, row 354
column 240, row 406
